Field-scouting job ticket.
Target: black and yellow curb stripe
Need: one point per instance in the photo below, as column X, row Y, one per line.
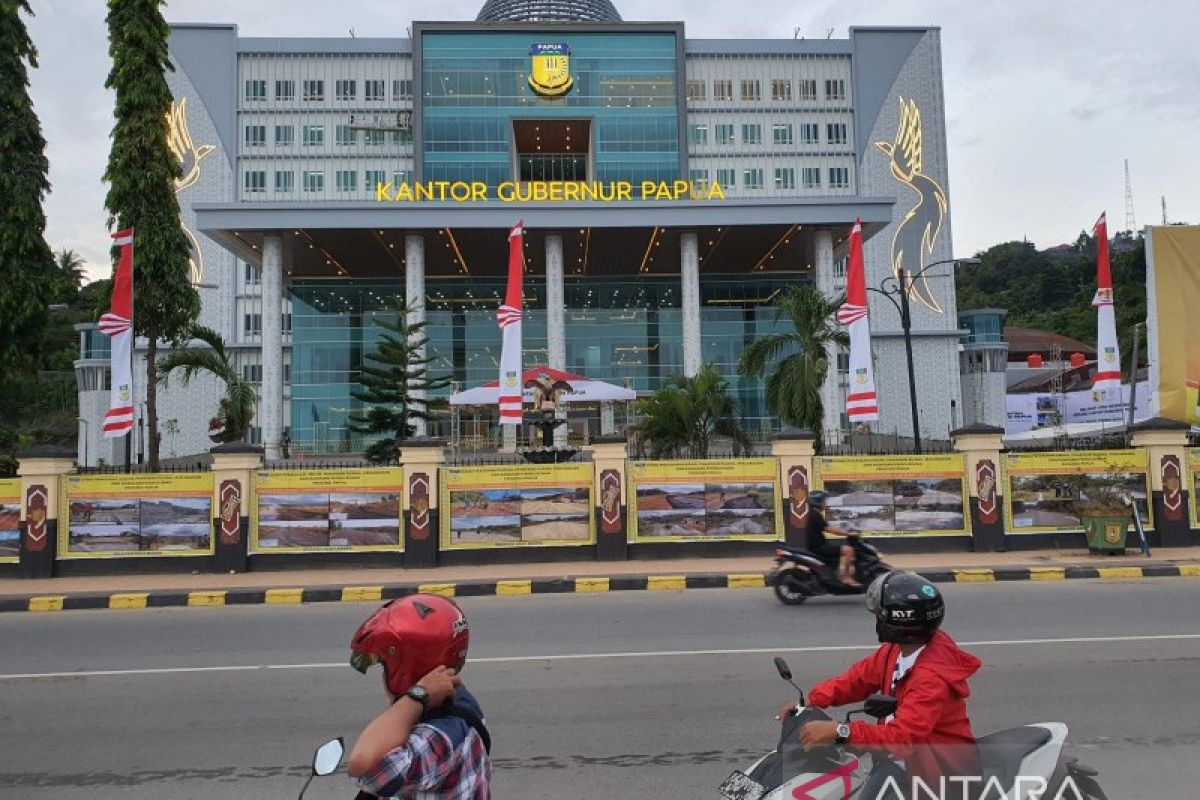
column 579, row 585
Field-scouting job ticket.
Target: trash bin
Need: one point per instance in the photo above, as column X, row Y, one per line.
column 1106, row 534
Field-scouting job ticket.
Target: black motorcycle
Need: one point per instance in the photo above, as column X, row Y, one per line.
column 800, row 574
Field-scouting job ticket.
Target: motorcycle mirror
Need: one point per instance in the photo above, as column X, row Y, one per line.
column 782, row 666
column 880, row 706
column 328, row 757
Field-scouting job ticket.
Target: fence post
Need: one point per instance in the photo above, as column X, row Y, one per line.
column 40, row 471
column 795, row 452
column 610, row 486
column 421, row 462
column 233, row 465
column 982, row 445
column 1165, row 444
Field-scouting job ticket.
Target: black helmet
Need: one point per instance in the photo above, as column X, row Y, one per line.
column 907, row 607
column 817, row 499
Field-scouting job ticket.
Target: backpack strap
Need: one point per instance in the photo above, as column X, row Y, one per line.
column 471, row 718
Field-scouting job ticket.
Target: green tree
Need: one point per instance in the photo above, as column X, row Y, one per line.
column 396, row 383
column 236, row 409
column 68, row 275
column 26, row 264
column 141, row 193
column 797, row 358
column 683, row 416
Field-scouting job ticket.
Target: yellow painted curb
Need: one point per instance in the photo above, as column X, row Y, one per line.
column 283, row 596
column 665, row 583
column 513, row 587
column 442, row 589
column 48, row 603
column 974, row 576
column 1119, row 572
column 1189, row 570
column 588, row 585
column 357, row 594
column 746, row 581
column 128, row 600
column 206, row 598
column 1047, row 574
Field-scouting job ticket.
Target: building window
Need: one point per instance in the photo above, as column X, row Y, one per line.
column 752, row 134
column 286, row 323
column 344, row 135
column 375, row 138
column 256, row 181
column 252, row 373
column 835, row 133
column 811, row 177
column 839, row 177
column 807, row 88
column 346, row 180
column 785, row 178
column 285, row 135
column 727, row 178
column 314, row 90
column 723, row 133
column 314, row 181
column 256, row 135
column 401, row 176
column 285, row 90
column 751, row 90
column 698, row 134
column 402, row 89
column 699, row 178
column 723, row 90
column 781, row 133
column 256, row 90
column 753, row 178
column 287, row 368
column 373, row 91
column 835, row 89
column 697, row 91
column 843, row 362
column 810, row 133
column 252, row 324
column 285, row 181
column 253, row 275
column 372, row 178
column 314, row 135
column 345, row 89
column 781, row 89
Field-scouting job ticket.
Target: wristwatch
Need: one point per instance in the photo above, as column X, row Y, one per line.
column 843, row 733
column 420, row 694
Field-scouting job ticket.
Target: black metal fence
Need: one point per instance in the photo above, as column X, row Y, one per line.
column 144, row 468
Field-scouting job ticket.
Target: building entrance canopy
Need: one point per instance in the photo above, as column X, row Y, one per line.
column 578, row 389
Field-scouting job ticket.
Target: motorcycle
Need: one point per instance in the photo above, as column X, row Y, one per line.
column 800, row 574
column 1023, row 763
column 325, row 761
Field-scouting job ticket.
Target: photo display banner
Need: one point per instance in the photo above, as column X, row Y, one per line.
column 717, row 500
column 899, row 495
column 1048, row 492
column 1193, row 484
column 326, row 510
column 10, row 518
column 133, row 515
column 517, row 505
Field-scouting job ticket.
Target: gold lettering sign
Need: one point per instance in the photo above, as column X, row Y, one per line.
column 546, row 191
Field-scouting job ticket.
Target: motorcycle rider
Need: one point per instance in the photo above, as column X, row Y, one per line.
column 431, row 743
column 817, row 543
column 929, row 736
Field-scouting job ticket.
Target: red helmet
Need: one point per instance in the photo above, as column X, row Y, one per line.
column 411, row 637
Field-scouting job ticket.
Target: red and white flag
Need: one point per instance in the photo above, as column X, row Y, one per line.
column 1108, row 352
column 862, row 404
column 117, row 325
column 509, row 317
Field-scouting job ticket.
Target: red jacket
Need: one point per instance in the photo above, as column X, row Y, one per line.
column 932, row 708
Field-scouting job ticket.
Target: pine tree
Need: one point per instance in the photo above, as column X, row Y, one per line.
column 392, row 386
column 26, row 264
column 141, row 195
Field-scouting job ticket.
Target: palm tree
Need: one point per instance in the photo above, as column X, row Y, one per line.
column 797, row 358
column 68, row 276
column 236, row 409
column 683, row 416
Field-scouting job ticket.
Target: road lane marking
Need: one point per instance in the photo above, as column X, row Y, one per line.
column 836, row 648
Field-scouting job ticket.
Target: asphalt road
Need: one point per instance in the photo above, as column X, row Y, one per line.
column 621, row 695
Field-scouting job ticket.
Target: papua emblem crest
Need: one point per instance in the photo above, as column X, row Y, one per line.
column 550, row 69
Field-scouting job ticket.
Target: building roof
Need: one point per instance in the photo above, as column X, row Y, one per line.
column 1024, row 341
column 548, row 11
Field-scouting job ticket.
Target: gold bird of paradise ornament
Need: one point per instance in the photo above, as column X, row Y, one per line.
column 179, row 139
column 915, row 237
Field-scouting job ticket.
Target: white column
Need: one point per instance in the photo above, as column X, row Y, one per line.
column 689, row 277
column 556, row 321
column 826, row 281
column 414, row 299
column 272, row 345
column 608, row 422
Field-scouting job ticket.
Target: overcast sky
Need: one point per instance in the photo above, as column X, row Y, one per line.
column 1044, row 98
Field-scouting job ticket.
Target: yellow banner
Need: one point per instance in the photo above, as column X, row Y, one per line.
column 516, row 505
column 1174, row 253
column 710, row 500
column 1193, row 484
column 326, row 510
column 135, row 515
column 1050, row 492
column 895, row 495
column 10, row 517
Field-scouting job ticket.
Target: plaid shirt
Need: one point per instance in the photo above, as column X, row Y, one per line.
column 432, row 767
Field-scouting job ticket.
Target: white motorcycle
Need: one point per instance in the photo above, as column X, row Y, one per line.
column 1018, row 764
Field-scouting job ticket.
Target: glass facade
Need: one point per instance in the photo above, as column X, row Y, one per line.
column 474, row 84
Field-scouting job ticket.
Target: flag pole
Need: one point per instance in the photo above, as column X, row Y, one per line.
column 132, row 348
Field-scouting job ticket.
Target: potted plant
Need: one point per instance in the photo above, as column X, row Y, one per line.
column 1105, row 509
